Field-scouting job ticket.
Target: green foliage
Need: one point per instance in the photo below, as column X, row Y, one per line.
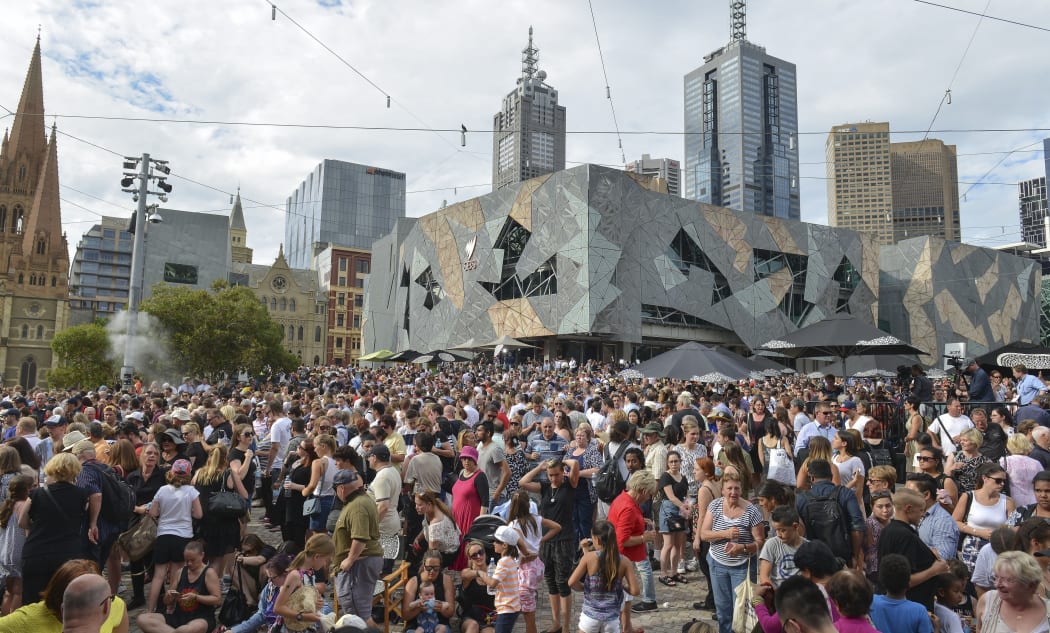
column 224, row 330
column 82, row 357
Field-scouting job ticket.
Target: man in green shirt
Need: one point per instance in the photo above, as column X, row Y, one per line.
column 358, row 557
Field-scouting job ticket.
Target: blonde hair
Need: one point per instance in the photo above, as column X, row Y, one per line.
column 63, row 467
column 974, row 436
column 642, row 481
column 215, row 466
column 318, row 545
column 326, row 441
column 1018, row 444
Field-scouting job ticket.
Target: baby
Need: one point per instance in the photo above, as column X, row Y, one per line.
column 427, row 620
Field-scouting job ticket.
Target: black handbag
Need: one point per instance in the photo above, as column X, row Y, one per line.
column 226, row 504
column 234, row 608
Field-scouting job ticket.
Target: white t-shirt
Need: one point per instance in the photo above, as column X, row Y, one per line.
column 945, row 427
column 280, row 434
column 848, row 467
column 387, row 485
column 176, row 510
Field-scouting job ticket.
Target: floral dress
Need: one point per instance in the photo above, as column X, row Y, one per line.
column 689, row 458
column 518, row 465
column 966, row 477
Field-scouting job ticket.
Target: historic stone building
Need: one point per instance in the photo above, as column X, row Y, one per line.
column 34, row 255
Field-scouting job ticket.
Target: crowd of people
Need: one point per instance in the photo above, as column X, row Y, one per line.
column 903, row 514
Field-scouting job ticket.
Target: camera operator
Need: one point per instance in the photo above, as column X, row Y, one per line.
column 980, row 388
column 921, row 385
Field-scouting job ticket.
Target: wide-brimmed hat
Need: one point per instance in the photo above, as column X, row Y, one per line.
column 303, row 599
column 71, row 439
column 174, row 435
column 653, row 427
column 470, row 453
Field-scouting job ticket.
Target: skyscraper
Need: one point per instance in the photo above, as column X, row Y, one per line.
column 741, row 120
column 860, row 193
column 1032, row 203
column 665, row 168
column 528, row 137
column 342, row 204
column 925, row 190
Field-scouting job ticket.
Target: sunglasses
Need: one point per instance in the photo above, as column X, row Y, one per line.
column 249, row 434
column 924, row 458
column 432, row 567
column 477, row 554
column 325, row 428
column 1000, row 481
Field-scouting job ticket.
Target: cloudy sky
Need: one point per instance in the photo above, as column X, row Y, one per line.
column 447, row 63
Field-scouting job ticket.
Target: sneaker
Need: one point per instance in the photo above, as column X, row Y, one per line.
column 681, row 568
column 692, row 565
column 642, row 607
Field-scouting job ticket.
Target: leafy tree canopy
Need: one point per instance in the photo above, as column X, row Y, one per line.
column 82, row 357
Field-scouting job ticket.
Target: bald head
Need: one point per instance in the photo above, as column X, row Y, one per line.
column 85, row 603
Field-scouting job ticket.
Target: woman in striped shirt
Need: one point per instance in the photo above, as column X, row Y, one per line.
column 733, row 527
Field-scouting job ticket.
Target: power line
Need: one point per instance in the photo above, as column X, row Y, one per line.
column 993, row 168
column 948, row 93
column 605, row 75
column 989, row 17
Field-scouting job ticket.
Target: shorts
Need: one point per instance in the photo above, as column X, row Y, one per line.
column 168, row 549
column 529, row 575
column 319, row 519
column 559, row 558
column 667, row 511
column 356, row 587
column 590, row 625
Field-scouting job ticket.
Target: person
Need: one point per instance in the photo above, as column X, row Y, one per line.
column 916, row 425
column 776, row 563
column 980, row 387
column 443, row 593
column 12, row 540
column 735, row 529
column 275, row 570
column 302, row 575
column 709, row 490
column 358, row 553
column 492, row 461
column 852, row 594
column 981, row 511
column 1015, row 604
column 993, row 436
column 386, row 488
column 172, row 447
column 242, row 457
column 846, row 536
column 479, row 606
column 674, row 512
column 295, row 524
column 584, row 450
column 821, row 426
column 962, row 465
column 220, row 536
column 1021, row 469
column 603, row 576
column 427, row 619
column 937, row 528
column 846, row 447
column 1028, row 387
column 931, row 461
column 505, row 578
column 85, row 604
column 99, row 532
column 819, row 448
column 470, row 495
column 248, row 575
column 45, row 615
column 900, row 537
column 1004, row 539
column 174, row 507
column 557, row 548
column 772, row 443
column 881, row 513
column 531, row 529
column 51, row 542
column 945, row 430
column 439, row 531
column 894, row 612
column 190, row 602
column 951, row 593
column 801, row 603
column 1041, row 507
column 146, row 480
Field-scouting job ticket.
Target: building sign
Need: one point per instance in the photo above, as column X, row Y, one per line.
column 180, row 273
column 471, row 262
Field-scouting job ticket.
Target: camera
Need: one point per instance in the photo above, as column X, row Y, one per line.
column 955, row 361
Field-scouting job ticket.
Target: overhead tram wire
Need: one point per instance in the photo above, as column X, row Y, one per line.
column 993, row 168
column 605, row 75
column 985, row 16
column 948, row 93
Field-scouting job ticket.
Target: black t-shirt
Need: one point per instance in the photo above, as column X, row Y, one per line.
column 679, row 488
column 54, row 531
column 678, row 416
column 223, row 430
column 237, row 454
column 556, row 505
column 900, row 538
column 197, row 454
column 994, row 445
column 146, row 489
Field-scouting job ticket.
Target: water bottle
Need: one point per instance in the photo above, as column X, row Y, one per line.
column 225, row 440
column 492, row 572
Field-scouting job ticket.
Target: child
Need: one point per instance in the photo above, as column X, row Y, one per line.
column 881, row 514
column 950, row 593
column 777, row 560
column 428, row 618
column 603, row 576
column 893, row 612
column 12, row 538
column 851, row 592
column 505, row 580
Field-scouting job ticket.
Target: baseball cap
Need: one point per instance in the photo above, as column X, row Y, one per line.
column 381, row 452
column 136, row 415
column 345, row 476
column 55, row 420
column 848, row 405
column 12, row 411
column 181, row 467
column 507, row 534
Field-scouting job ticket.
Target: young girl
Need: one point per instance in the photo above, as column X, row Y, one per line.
column 601, row 575
column 174, row 506
column 505, row 580
column 530, row 528
column 12, row 538
column 428, row 617
column 301, row 575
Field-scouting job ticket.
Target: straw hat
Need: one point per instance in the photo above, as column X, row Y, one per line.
column 302, row 599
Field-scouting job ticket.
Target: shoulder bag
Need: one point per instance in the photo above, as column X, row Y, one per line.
column 313, row 504
column 226, row 504
column 138, row 541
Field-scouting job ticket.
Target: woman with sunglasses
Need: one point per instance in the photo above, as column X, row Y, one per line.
column 322, row 474
column 479, row 606
column 978, row 513
column 242, row 457
column 931, row 462
column 444, row 592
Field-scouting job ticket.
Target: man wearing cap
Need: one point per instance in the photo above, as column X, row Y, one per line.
column 851, row 417
column 980, row 389
column 180, row 416
column 56, row 429
column 386, row 489
column 358, row 559
column 98, row 534
column 10, row 421
column 654, row 449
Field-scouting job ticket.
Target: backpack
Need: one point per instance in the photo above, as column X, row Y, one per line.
column 118, row 498
column 880, row 455
column 825, row 521
column 608, row 482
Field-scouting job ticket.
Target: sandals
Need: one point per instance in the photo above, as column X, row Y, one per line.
column 668, row 580
column 681, row 579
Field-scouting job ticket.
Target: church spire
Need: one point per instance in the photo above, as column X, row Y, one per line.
column 28, row 131
column 237, row 214
column 43, row 230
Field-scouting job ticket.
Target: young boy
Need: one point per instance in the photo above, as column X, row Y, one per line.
column 776, row 563
column 950, row 593
column 893, row 612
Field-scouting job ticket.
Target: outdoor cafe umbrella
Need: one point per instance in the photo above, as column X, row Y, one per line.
column 869, row 365
column 693, row 361
column 1031, row 355
column 442, row 355
column 841, row 336
column 379, row 354
column 404, row 356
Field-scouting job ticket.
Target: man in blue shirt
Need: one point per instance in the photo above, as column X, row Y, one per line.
column 980, row 383
column 1028, row 386
column 823, row 424
column 937, row 528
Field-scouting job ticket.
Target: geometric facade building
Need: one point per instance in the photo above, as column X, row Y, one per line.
column 666, row 168
column 528, row 137
column 934, row 291
column 925, row 190
column 591, row 263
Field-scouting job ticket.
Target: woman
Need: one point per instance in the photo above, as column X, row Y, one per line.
column 145, row 481
column 295, row 524
column 274, row 571
column 756, row 426
column 674, row 511
column 710, row 489
column 439, row 531
column 172, row 447
column 123, row 459
column 52, row 515
column 174, row 507
column 916, row 425
column 584, row 450
column 775, row 440
column 1001, row 415
column 1021, row 469
column 302, row 578
column 45, row 615
column 196, row 450
column 531, row 529
column 444, row 592
column 322, row 473
column 1014, row 605
column 190, row 600
column 479, row 610
column 734, row 457
column 251, row 560
column 514, row 453
column 30, row 460
column 220, row 536
column 466, row 438
column 562, row 425
column 881, row 513
column 1041, row 507
column 734, row 527
column 819, row 448
column 470, row 496
column 242, row 458
column 851, row 470
column 978, row 513
column 691, row 450
column 10, row 467
column 931, row 460
column 12, row 540
column 603, row 576
column 963, row 464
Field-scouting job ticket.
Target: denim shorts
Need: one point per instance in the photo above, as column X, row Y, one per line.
column 319, row 519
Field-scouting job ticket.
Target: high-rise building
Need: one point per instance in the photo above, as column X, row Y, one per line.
column 34, row 254
column 343, row 204
column 1032, row 203
column 101, row 273
column 341, row 274
column 741, row 122
column 665, row 168
column 528, row 138
column 860, row 192
column 925, row 190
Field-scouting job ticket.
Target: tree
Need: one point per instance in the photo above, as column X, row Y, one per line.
column 82, row 357
column 225, row 330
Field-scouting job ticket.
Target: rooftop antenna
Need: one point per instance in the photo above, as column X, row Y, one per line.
column 737, row 20
column 529, row 59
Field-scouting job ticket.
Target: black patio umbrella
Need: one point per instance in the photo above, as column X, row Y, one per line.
column 443, row 355
column 404, row 357
column 693, row 361
column 869, row 365
column 1031, row 355
column 839, row 336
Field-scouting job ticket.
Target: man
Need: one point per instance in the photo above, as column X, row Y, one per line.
column 822, row 425
column 492, row 462
column 358, row 560
column 846, row 538
column 798, row 416
column 946, row 428
column 800, row 601
column 27, row 430
column 980, row 389
column 386, row 488
column 472, row 414
column 900, row 537
column 40, row 410
column 994, row 444
column 1028, row 387
column 109, row 416
column 180, row 416
column 684, row 406
column 654, row 449
column 937, row 528
column 280, row 436
column 99, row 534
column 393, row 440
column 218, row 429
column 1035, row 410
column 547, row 444
column 921, row 385
column 56, row 426
column 10, row 423
column 851, row 418
column 97, row 437
column 1041, row 450
column 85, row 604
column 536, row 414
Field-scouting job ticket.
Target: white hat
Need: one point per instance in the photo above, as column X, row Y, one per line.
column 507, row 534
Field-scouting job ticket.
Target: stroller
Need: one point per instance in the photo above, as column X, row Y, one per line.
column 484, row 531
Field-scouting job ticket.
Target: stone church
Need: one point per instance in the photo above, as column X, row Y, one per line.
column 34, row 255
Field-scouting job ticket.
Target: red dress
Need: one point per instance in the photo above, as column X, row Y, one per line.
column 466, row 506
